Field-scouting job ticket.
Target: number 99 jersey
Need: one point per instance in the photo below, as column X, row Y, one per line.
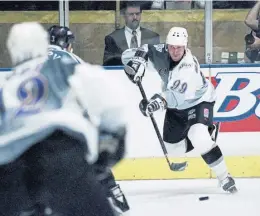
column 184, row 85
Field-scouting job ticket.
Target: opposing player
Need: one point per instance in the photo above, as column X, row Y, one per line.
column 61, row 47
column 61, row 40
column 187, row 96
column 58, row 119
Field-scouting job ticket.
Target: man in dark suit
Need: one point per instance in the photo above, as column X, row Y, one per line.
column 130, row 36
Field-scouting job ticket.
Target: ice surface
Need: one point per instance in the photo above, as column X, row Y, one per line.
column 181, row 198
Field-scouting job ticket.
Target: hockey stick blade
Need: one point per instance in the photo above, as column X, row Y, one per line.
column 179, row 166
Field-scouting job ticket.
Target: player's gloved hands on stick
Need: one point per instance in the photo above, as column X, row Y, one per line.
column 135, row 68
column 157, row 102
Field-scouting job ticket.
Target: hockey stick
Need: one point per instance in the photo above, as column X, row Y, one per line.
column 217, row 125
column 173, row 166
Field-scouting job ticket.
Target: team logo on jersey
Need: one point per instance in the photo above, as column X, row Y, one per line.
column 206, row 113
column 159, row 47
column 163, row 71
column 33, row 93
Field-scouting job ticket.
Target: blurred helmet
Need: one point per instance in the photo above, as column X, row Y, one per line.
column 177, row 36
column 61, row 36
column 26, row 41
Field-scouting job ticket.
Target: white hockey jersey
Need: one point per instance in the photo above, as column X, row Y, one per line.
column 183, row 85
column 42, row 96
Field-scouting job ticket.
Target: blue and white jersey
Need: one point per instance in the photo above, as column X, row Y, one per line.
column 43, row 95
column 56, row 53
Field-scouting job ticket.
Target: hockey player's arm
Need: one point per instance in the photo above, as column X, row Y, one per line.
column 175, row 94
column 102, row 96
column 135, row 62
column 98, row 91
column 173, row 98
column 252, row 17
column 157, row 102
column 161, row 101
column 128, row 54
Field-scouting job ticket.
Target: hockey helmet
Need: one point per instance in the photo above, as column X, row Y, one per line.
column 177, row 36
column 61, row 36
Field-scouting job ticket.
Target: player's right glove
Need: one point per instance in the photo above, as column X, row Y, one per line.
column 112, row 138
column 111, row 147
column 135, row 68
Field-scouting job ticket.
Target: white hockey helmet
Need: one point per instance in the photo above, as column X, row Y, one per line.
column 177, row 36
column 26, row 41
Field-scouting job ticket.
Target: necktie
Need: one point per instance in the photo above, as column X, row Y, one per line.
column 134, row 43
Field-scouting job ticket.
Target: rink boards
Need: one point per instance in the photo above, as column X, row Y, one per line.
column 237, row 108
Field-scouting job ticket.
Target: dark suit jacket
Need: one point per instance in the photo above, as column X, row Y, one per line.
column 116, row 44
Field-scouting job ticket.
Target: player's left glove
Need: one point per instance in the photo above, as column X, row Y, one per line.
column 157, row 102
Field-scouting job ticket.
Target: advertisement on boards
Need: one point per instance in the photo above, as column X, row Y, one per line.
column 237, row 108
column 238, row 94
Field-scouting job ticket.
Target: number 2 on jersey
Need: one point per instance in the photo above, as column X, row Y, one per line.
column 25, row 93
column 32, row 93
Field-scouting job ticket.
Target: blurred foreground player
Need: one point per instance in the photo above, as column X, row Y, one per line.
column 61, row 47
column 187, row 96
column 58, row 119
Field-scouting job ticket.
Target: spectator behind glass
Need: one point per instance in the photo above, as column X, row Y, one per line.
column 130, row 36
column 253, row 38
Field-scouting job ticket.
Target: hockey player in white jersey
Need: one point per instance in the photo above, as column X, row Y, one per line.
column 187, row 96
column 58, row 119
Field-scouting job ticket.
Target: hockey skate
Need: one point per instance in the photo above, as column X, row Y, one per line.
column 228, row 184
column 118, row 200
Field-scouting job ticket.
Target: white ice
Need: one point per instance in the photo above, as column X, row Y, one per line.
column 181, row 198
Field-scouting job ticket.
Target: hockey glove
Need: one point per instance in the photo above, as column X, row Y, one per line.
column 157, row 102
column 135, row 68
column 111, row 147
